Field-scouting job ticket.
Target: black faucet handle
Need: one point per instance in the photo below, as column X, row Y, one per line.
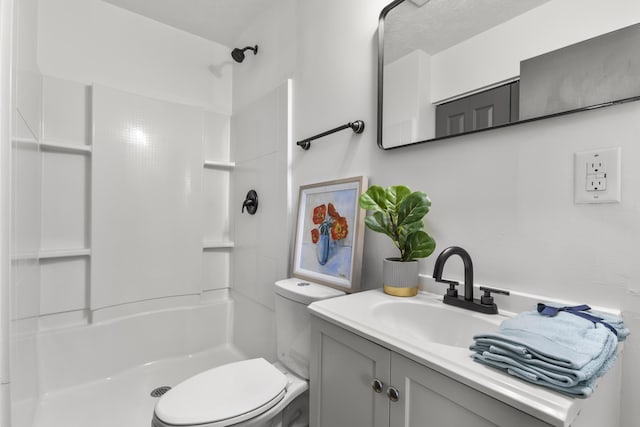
column 487, row 299
column 250, row 202
column 452, row 291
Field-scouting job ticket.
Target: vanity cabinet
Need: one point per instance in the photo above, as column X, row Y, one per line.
column 358, row 383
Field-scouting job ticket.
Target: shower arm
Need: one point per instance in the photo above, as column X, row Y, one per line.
column 357, row 127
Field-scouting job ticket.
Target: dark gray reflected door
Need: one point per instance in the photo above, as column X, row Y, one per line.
column 479, row 111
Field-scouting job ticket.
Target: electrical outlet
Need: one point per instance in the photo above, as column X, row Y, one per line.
column 597, row 176
column 596, row 182
column 595, row 165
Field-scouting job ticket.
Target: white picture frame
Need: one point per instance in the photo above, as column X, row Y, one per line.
column 329, row 233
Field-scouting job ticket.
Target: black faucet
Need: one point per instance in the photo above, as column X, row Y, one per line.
column 468, row 271
column 485, row 304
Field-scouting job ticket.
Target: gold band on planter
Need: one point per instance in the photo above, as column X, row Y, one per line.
column 400, row 292
column 400, row 278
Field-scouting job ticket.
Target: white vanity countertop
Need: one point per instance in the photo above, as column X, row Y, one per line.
column 355, row 313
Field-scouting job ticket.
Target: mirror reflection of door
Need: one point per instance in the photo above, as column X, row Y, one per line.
column 482, row 110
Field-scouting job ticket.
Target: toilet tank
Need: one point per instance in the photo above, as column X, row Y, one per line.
column 293, row 325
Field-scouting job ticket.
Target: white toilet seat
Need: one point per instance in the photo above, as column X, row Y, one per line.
column 223, row 396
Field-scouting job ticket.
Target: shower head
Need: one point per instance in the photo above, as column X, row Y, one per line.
column 238, row 54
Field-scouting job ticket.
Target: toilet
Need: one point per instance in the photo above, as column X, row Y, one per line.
column 254, row 393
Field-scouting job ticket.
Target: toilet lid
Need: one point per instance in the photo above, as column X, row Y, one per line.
column 238, row 391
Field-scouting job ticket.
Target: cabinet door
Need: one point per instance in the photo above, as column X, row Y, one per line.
column 343, row 367
column 430, row 399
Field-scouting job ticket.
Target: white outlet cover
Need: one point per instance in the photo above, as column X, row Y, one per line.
column 612, row 159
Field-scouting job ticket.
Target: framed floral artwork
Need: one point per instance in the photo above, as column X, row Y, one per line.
column 329, row 233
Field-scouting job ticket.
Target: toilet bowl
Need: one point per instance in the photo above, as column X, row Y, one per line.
column 254, row 393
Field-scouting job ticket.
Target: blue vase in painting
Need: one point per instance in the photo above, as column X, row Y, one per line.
column 322, row 248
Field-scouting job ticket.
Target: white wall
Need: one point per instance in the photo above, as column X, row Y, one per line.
column 494, row 55
column 506, row 195
column 274, row 32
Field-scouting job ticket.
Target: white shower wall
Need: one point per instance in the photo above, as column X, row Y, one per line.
column 147, row 222
column 91, row 41
column 26, row 212
column 260, row 134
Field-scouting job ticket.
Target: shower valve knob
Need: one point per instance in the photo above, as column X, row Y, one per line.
column 250, row 202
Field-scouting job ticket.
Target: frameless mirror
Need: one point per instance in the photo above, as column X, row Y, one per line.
column 451, row 67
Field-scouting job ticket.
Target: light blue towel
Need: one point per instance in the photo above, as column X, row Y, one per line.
column 582, row 390
column 558, row 375
column 565, row 352
column 616, row 322
column 613, row 323
column 564, row 340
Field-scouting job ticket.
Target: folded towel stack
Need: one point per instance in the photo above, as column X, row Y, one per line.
column 566, row 352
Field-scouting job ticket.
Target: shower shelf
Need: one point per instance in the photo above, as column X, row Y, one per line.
column 63, row 253
column 25, row 256
column 217, row 245
column 25, row 141
column 212, row 164
column 55, row 146
column 65, row 148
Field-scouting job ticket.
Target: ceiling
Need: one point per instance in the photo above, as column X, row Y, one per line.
column 221, row 21
column 435, row 26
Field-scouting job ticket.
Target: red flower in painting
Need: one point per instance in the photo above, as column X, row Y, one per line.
column 333, row 213
column 339, row 228
column 315, row 235
column 319, row 214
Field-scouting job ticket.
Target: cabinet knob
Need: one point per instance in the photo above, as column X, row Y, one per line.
column 393, row 394
column 377, row 385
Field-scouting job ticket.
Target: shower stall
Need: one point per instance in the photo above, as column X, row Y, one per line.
column 131, row 265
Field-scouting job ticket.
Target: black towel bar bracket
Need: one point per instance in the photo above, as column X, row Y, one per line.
column 356, row 127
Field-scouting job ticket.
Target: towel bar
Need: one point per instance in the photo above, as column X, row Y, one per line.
column 357, row 127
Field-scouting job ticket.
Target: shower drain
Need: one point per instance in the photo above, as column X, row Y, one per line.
column 157, row 392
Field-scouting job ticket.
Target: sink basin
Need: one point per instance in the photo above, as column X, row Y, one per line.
column 433, row 321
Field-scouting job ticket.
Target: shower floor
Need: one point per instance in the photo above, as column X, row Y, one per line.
column 124, row 400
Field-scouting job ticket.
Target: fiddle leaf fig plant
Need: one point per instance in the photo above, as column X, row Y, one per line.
column 398, row 213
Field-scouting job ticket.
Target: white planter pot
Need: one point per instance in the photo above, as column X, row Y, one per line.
column 400, row 278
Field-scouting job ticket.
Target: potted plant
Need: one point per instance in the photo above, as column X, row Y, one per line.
column 398, row 213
